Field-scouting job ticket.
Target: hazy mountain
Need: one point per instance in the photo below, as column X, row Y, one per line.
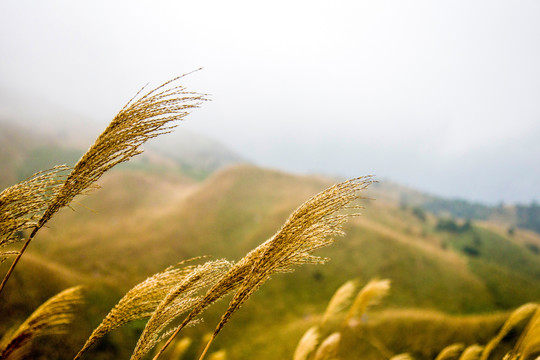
column 36, row 135
column 196, row 154
column 141, row 222
column 172, row 204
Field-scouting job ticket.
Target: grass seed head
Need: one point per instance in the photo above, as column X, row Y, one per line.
column 180, row 299
column 140, row 302
column 312, row 226
column 529, row 342
column 328, row 350
column 340, row 302
column 143, row 118
column 450, row 352
column 51, row 318
column 22, row 204
column 472, row 352
column 405, row 356
column 370, row 295
column 307, row 344
column 516, row 317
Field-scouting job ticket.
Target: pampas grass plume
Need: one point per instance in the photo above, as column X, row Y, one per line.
column 340, row 302
column 405, row 356
column 370, row 295
column 22, row 204
column 307, row 344
column 472, row 352
column 180, row 348
column 51, row 318
column 450, row 352
column 328, row 350
column 140, row 302
column 180, row 298
column 516, row 317
column 529, row 342
column 218, row 355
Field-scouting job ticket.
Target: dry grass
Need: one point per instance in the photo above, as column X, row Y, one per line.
column 328, row 350
column 528, row 344
column 450, row 352
column 141, row 119
column 181, row 290
column 339, row 303
column 140, row 302
column 51, row 318
column 180, row 348
column 404, row 356
column 23, row 204
column 179, row 299
column 472, row 352
column 517, row 317
column 370, row 295
column 169, row 294
column 307, row 344
column 218, row 355
column 312, row 226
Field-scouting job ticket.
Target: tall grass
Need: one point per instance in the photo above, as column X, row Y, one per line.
column 166, row 295
column 32, row 203
column 313, row 225
column 177, row 296
column 52, row 317
column 324, row 341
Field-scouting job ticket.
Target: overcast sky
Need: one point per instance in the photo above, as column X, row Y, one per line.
column 443, row 96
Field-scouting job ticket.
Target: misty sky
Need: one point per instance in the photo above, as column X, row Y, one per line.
column 443, row 96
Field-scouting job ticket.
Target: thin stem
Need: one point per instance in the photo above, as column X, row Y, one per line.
column 171, row 338
column 12, row 267
column 207, row 346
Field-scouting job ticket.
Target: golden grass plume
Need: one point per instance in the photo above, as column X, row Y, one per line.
column 51, row 318
column 312, row 226
column 141, row 119
column 528, row 343
column 404, row 356
column 516, row 317
column 180, row 348
column 307, row 344
column 472, row 352
column 218, row 355
column 450, row 352
column 140, row 302
column 340, row 302
column 370, row 295
column 328, row 350
column 179, row 299
column 22, row 204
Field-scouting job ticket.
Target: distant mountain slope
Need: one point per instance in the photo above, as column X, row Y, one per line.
column 525, row 216
column 140, row 223
column 196, row 154
column 157, row 211
column 169, row 219
column 23, row 151
column 31, row 141
column 47, row 119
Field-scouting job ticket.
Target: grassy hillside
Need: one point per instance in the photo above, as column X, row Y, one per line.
column 24, row 152
column 140, row 223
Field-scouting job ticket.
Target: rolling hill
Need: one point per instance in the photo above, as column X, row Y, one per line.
column 140, row 223
column 165, row 207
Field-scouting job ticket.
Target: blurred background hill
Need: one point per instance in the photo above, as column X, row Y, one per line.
column 438, row 99
column 189, row 196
